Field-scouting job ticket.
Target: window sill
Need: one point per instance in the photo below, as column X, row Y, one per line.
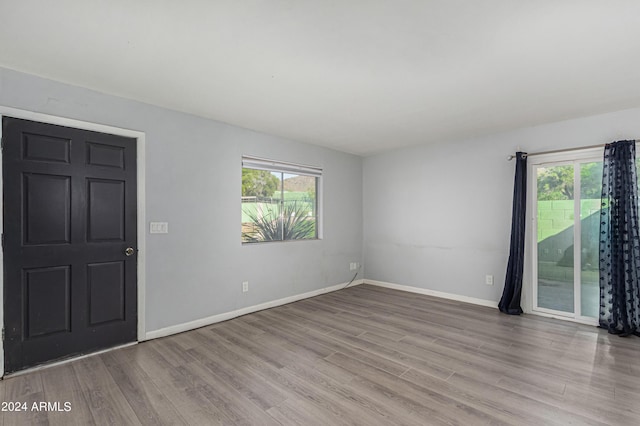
column 258, row 243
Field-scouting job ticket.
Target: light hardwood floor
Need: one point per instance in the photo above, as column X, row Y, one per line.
column 364, row 356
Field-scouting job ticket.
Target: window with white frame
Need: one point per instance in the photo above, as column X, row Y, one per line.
column 279, row 201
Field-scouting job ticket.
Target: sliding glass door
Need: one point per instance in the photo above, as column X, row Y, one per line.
column 566, row 218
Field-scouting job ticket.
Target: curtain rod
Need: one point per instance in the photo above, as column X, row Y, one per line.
column 512, row 156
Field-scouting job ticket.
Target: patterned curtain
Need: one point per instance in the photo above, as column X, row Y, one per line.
column 620, row 241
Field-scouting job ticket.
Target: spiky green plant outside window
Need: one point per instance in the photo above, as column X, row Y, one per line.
column 292, row 222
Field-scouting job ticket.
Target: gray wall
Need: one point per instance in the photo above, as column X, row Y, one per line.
column 193, row 181
column 438, row 217
column 415, row 204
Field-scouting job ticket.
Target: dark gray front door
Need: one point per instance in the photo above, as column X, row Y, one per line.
column 69, row 201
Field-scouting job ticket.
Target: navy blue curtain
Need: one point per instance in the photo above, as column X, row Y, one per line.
column 619, row 241
column 510, row 301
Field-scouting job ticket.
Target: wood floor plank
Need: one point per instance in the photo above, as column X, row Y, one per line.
column 60, row 383
column 334, row 345
column 162, row 372
column 237, row 375
column 488, row 405
column 102, row 393
column 25, row 390
column 273, row 357
column 79, row 413
column 26, row 415
column 172, row 351
column 346, row 392
column 242, row 325
column 331, row 405
column 514, row 401
column 389, row 351
column 299, row 412
column 25, row 384
column 337, row 402
column 150, row 405
column 600, row 414
column 433, row 406
column 364, row 355
column 109, row 406
column 237, row 409
column 59, row 377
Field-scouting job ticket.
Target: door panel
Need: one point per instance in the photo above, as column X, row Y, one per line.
column 105, row 155
column 106, row 292
column 106, row 213
column 69, row 201
column 590, row 192
column 555, row 238
column 45, row 148
column 47, row 209
column 47, row 292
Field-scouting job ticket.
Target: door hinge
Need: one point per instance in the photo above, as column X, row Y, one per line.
column 3, row 334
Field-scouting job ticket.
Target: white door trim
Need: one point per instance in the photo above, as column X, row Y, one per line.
column 141, row 220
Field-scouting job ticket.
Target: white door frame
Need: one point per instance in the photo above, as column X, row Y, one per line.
column 553, row 159
column 141, row 219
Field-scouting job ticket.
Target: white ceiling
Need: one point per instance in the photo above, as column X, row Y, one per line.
column 360, row 76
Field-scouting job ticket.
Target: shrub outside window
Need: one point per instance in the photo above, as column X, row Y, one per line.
column 279, row 201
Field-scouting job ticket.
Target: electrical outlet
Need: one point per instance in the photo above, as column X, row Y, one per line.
column 353, row 266
column 245, row 286
column 488, row 279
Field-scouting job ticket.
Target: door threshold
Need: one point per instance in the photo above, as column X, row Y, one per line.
column 63, row 361
column 584, row 321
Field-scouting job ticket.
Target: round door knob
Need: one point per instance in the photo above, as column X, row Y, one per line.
column 129, row 251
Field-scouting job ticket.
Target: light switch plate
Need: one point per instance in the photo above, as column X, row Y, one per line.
column 159, row 228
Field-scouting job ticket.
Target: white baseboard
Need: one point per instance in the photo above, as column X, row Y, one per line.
column 441, row 294
column 191, row 325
